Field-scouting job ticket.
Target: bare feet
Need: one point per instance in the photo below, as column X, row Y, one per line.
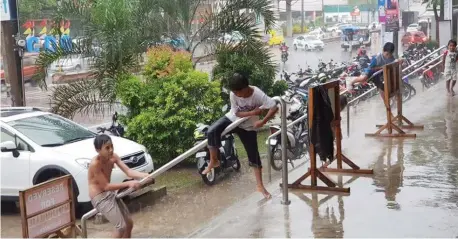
column 452, row 93
column 264, row 192
column 210, row 166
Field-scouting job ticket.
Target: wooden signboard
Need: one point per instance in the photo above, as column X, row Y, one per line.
column 314, row 173
column 48, row 208
column 393, row 88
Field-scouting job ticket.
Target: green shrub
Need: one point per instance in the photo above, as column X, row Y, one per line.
column 296, row 29
column 259, row 71
column 165, row 108
column 163, row 61
column 432, row 44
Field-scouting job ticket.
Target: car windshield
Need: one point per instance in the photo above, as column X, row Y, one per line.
column 311, row 38
column 51, row 130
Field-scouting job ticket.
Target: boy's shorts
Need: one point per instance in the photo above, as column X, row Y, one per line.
column 451, row 75
column 249, row 140
column 114, row 210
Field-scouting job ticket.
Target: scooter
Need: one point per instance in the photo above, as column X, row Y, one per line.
column 115, row 128
column 298, row 139
column 227, row 157
column 284, row 56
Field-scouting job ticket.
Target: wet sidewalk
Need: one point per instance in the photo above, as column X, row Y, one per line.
column 413, row 192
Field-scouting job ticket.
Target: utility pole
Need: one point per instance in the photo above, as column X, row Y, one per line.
column 13, row 53
column 302, row 16
column 322, row 11
column 289, row 19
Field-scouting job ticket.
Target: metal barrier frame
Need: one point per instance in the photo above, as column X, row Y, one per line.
column 350, row 103
column 193, row 151
column 285, row 200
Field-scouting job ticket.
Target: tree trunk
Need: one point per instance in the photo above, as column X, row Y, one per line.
column 13, row 64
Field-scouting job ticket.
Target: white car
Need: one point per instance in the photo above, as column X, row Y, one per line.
column 337, row 28
column 71, row 63
column 37, row 146
column 318, row 33
column 233, row 39
column 413, row 27
column 308, row 43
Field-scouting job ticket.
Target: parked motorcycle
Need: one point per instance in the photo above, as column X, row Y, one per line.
column 298, row 139
column 227, row 157
column 115, row 128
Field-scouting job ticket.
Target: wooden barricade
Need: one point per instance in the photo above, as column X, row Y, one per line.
column 392, row 88
column 334, row 96
column 48, row 210
column 314, row 172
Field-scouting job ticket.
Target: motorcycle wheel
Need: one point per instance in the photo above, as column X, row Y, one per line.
column 413, row 91
column 406, row 93
column 236, row 164
column 209, row 178
column 275, row 160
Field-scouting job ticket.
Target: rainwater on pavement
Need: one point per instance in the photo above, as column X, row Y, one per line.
column 413, row 192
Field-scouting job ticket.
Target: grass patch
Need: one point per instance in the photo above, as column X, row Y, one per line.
column 186, row 176
column 179, row 178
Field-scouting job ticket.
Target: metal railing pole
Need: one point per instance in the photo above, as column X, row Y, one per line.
column 284, row 157
column 421, row 68
column 269, row 159
column 348, row 119
column 269, row 150
column 422, row 59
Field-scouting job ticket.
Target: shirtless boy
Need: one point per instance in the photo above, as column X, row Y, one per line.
column 103, row 193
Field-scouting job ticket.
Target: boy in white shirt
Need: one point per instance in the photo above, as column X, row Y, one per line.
column 246, row 101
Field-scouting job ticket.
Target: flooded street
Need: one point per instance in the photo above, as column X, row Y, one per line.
column 413, row 192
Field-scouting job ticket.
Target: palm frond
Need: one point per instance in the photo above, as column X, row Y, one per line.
column 83, row 96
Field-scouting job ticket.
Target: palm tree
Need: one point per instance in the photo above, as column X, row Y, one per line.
column 216, row 17
column 124, row 28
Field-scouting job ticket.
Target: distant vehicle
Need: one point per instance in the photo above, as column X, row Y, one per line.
column 308, row 43
column 72, row 63
column 234, row 38
column 337, row 28
column 413, row 27
column 414, row 37
column 275, row 37
column 318, row 33
column 28, row 69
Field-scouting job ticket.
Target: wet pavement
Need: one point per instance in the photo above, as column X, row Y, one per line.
column 413, row 192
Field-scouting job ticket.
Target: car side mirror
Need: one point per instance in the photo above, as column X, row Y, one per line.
column 9, row 146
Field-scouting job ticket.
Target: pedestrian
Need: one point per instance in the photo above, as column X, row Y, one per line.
column 103, row 193
column 377, row 63
column 449, row 65
column 246, row 101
